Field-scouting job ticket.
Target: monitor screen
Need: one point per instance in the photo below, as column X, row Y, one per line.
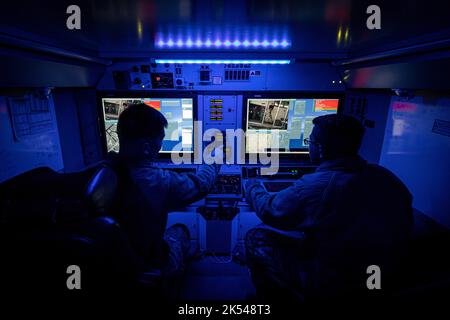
column 178, row 112
column 281, row 125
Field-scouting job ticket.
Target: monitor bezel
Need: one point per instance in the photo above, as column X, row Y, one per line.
column 302, row 155
column 143, row 94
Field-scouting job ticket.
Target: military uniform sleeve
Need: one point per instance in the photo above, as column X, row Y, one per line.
column 283, row 210
column 187, row 188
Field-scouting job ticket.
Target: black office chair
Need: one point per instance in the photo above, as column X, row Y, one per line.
column 50, row 221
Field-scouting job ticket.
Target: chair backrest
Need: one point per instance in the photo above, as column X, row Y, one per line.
column 29, row 198
column 45, row 196
column 58, row 219
column 101, row 191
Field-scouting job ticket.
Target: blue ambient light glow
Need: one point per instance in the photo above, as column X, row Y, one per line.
column 222, row 43
column 219, row 61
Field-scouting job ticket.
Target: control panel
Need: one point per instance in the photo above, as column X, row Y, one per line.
column 146, row 74
column 182, row 76
column 284, row 172
column 228, row 184
column 220, row 112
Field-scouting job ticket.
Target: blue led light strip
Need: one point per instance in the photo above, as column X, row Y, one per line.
column 227, row 44
column 218, row 61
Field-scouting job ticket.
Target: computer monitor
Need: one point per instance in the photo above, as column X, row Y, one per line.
column 179, row 135
column 280, row 125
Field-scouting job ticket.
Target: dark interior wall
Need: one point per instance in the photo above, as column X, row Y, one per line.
column 71, row 78
column 372, row 108
column 422, row 75
column 69, row 131
column 76, row 113
column 410, row 136
column 29, row 136
column 28, row 69
column 416, row 148
column 89, row 125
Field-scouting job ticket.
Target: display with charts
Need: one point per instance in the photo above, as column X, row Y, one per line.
column 178, row 112
column 281, row 125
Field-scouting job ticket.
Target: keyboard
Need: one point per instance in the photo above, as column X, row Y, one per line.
column 275, row 186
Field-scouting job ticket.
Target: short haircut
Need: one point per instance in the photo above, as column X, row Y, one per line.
column 339, row 134
column 140, row 121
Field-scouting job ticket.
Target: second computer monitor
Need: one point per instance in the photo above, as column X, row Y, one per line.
column 281, row 125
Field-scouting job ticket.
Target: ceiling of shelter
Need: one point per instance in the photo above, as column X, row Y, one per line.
column 328, row 28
